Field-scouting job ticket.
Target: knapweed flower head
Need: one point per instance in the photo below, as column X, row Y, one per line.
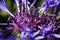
column 32, row 23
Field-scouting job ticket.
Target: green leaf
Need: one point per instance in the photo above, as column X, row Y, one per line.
column 3, row 13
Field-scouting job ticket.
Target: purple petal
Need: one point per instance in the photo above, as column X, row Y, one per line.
column 39, row 37
column 52, row 3
column 3, row 7
column 34, row 34
column 5, row 30
column 3, row 23
column 25, row 2
column 56, row 35
column 6, row 23
column 2, row 38
column 4, row 33
column 33, row 3
column 17, row 3
column 50, row 25
column 22, row 34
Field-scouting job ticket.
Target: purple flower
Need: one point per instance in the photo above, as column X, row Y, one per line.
column 30, row 24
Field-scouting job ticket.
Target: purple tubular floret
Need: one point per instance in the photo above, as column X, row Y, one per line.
column 33, row 3
column 56, row 35
column 50, row 26
column 39, row 37
column 3, row 7
column 36, row 33
column 18, row 5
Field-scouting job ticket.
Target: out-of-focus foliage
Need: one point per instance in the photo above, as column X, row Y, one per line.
column 39, row 2
column 3, row 13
